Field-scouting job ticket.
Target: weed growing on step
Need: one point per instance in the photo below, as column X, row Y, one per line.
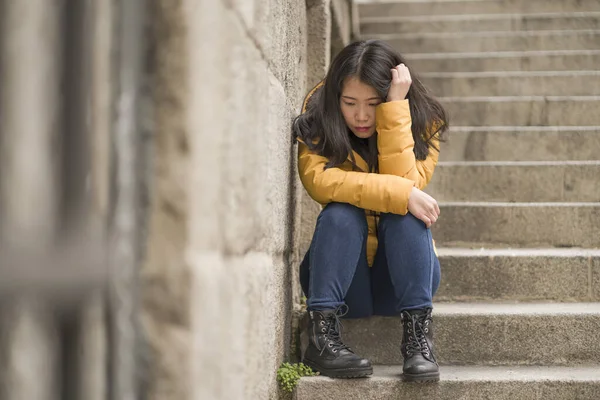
column 288, row 375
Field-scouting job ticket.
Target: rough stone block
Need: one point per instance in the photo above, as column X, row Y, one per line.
column 278, row 156
column 242, row 185
column 318, row 42
column 240, row 309
column 280, row 32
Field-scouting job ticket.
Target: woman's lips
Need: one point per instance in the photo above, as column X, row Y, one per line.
column 363, row 129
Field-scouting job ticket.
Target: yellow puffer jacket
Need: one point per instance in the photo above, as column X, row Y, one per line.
column 384, row 192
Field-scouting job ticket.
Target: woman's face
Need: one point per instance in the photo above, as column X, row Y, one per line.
column 358, row 102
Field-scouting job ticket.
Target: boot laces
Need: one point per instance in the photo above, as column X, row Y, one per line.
column 417, row 341
column 334, row 326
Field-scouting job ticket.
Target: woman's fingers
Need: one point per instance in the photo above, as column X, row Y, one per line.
column 403, row 72
column 400, row 84
column 433, row 218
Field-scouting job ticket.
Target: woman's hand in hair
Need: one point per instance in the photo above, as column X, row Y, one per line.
column 423, row 206
column 401, row 82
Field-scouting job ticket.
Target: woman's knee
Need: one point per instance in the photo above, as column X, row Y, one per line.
column 343, row 217
column 407, row 223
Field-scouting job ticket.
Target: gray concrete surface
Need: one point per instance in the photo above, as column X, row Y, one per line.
column 520, row 207
column 522, row 110
column 435, row 42
column 491, row 334
column 480, row 22
column 465, row 383
column 531, row 60
column 520, row 143
column 516, row 181
column 518, row 275
column 518, row 224
column 377, row 8
column 518, row 83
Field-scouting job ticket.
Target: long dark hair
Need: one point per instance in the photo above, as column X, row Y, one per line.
column 370, row 61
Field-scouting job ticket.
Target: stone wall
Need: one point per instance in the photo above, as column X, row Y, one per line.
column 219, row 280
column 177, row 145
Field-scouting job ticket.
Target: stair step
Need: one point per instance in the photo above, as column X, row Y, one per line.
column 479, row 23
column 371, row 9
column 516, row 181
column 519, row 274
column 491, row 334
column 519, row 143
column 523, row 110
column 515, row 83
column 492, row 41
column 549, row 60
column 461, row 382
column 467, row 224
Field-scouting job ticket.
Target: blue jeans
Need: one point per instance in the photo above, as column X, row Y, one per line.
column 405, row 273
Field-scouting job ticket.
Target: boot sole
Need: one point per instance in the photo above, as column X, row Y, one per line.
column 431, row 377
column 345, row 373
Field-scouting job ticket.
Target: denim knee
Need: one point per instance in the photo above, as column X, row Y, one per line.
column 343, row 218
column 406, row 222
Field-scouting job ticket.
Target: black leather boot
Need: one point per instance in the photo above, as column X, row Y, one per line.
column 420, row 364
column 326, row 353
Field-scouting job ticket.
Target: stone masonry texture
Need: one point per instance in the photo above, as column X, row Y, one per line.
column 218, row 281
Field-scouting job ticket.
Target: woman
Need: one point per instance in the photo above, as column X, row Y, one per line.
column 368, row 145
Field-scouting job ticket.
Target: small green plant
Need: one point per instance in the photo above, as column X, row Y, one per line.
column 288, row 375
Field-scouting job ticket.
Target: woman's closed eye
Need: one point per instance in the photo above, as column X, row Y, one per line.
column 353, row 104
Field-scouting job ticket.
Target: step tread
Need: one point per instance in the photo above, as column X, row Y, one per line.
column 512, row 252
column 485, row 373
column 484, row 34
column 506, row 99
column 478, row 17
column 513, row 308
column 510, row 204
column 517, row 163
column 513, row 129
column 509, row 74
column 500, row 54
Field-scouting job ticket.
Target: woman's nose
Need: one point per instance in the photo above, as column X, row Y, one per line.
column 361, row 114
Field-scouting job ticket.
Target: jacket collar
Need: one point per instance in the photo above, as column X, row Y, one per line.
column 360, row 162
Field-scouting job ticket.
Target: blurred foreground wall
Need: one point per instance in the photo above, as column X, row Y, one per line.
column 151, row 218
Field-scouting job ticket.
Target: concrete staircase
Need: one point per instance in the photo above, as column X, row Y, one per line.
column 518, row 311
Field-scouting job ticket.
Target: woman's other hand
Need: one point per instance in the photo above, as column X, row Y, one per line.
column 401, row 82
column 423, row 206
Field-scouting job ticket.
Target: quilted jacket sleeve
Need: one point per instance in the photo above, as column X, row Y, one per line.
column 395, row 143
column 370, row 191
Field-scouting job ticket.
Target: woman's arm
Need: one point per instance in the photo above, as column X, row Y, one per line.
column 370, row 191
column 395, row 143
